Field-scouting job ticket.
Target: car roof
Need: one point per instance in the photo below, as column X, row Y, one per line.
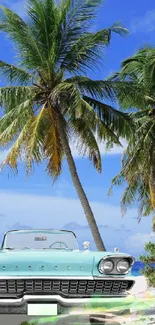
column 40, row 230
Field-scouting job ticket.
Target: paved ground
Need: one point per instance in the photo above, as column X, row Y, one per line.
column 107, row 319
column 71, row 320
column 16, row 320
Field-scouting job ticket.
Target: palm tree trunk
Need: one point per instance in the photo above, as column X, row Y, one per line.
column 153, row 224
column 152, row 183
column 152, row 186
column 80, row 191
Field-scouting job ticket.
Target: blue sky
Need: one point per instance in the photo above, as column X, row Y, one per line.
column 34, row 201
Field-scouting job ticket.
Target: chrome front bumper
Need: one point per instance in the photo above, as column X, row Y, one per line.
column 19, row 306
column 66, row 302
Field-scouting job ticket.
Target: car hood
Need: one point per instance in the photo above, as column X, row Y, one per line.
column 50, row 262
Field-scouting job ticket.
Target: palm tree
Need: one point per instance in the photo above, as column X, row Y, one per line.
column 136, row 172
column 51, row 98
column 138, row 161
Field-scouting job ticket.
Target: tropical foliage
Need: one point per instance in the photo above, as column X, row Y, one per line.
column 138, row 160
column 51, row 98
column 149, row 260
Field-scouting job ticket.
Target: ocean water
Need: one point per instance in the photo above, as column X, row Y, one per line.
column 137, row 266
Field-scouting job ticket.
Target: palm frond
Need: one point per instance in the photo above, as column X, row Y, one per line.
column 119, row 29
column 117, row 121
column 137, row 65
column 76, row 19
column 35, row 139
column 14, row 74
column 13, row 122
column 13, row 96
column 130, row 93
column 87, row 143
column 78, row 14
column 86, row 53
column 21, row 34
column 129, row 196
column 44, row 22
column 53, row 146
column 103, row 131
column 117, row 180
column 144, row 207
column 95, row 88
column 17, row 149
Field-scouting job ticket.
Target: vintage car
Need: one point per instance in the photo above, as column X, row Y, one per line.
column 43, row 272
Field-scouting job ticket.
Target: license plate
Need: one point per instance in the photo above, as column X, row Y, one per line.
column 42, row 310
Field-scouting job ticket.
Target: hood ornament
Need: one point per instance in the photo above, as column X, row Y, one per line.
column 86, row 245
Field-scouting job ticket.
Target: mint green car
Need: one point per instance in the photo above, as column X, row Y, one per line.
column 43, row 272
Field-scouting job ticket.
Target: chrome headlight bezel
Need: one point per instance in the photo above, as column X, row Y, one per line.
column 115, row 259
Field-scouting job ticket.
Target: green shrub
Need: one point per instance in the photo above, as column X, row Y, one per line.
column 149, row 271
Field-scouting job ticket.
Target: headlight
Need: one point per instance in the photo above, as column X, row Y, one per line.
column 106, row 266
column 123, row 266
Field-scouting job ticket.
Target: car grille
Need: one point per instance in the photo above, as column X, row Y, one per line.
column 69, row 288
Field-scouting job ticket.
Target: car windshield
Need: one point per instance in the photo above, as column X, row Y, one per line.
column 40, row 240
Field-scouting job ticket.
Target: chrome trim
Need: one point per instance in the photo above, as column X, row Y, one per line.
column 56, row 298
column 120, row 255
column 10, row 277
column 110, row 277
column 41, row 229
column 117, row 255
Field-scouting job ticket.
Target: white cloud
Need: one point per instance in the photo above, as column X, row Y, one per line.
column 116, row 150
column 45, row 211
column 138, row 240
column 42, row 210
column 144, row 24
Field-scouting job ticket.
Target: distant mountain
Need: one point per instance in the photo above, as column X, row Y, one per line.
column 124, row 228
column 15, row 226
column 73, row 225
column 18, row 226
column 2, row 215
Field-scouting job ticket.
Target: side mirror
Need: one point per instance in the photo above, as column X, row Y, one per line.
column 86, row 245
